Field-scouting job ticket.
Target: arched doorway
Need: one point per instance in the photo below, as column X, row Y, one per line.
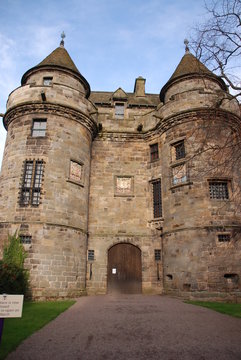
column 124, row 269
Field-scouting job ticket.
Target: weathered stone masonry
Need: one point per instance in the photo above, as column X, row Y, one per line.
column 86, row 171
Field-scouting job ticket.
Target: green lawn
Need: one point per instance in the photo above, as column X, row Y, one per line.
column 35, row 316
column 224, row 308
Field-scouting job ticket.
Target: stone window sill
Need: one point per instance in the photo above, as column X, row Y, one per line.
column 81, row 184
column 185, row 183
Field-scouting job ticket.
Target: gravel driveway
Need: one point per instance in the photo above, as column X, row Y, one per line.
column 137, row 327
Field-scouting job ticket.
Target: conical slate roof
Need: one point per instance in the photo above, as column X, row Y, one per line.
column 59, row 58
column 190, row 66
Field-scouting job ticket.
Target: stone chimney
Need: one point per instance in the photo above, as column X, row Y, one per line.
column 139, row 88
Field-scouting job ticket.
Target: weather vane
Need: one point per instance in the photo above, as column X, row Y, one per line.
column 62, row 37
column 186, row 42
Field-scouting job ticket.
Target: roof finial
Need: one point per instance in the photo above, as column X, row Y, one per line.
column 62, row 41
column 186, row 42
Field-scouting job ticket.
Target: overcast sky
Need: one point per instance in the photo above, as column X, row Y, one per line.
column 111, row 42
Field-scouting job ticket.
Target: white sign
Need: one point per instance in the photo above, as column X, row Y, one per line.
column 11, row 306
column 113, row 271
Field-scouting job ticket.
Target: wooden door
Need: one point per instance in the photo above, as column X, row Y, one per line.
column 124, row 269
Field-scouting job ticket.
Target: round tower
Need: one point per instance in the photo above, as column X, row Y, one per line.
column 201, row 220
column 45, row 173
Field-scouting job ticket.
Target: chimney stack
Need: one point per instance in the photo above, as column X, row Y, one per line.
column 139, row 88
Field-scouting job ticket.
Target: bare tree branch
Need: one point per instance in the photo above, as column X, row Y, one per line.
column 217, row 42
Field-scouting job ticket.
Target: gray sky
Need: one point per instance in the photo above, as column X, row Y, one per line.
column 111, row 42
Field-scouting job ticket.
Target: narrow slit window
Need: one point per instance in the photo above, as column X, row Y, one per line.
column 157, row 254
column 157, row 200
column 91, row 255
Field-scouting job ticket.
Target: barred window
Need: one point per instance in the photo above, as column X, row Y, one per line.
column 39, row 127
column 32, row 181
column 180, row 150
column 119, row 111
column 157, row 200
column 154, row 152
column 157, row 253
column 223, row 237
column 91, row 255
column 25, row 239
column 218, row 190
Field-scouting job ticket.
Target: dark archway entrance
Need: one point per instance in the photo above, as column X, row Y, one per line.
column 124, row 269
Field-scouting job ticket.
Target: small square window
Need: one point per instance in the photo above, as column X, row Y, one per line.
column 39, row 127
column 157, row 253
column 25, row 239
column 119, row 111
column 91, row 255
column 47, row 81
column 218, row 190
column 154, row 152
column 223, row 237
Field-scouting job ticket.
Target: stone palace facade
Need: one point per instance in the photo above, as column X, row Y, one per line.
column 120, row 192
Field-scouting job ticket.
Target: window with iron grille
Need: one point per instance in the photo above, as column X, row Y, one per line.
column 119, row 111
column 154, row 152
column 223, row 237
column 91, row 255
column 39, row 127
column 218, row 190
column 157, row 200
column 157, row 253
column 179, row 150
column 25, row 239
column 32, row 181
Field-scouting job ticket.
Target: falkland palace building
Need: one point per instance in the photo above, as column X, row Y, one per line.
column 124, row 192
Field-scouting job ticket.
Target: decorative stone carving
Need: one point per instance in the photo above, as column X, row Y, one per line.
column 76, row 171
column 124, row 185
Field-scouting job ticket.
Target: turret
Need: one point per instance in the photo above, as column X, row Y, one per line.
column 198, row 185
column 45, row 173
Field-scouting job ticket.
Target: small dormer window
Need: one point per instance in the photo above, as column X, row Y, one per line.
column 119, row 110
column 47, row 81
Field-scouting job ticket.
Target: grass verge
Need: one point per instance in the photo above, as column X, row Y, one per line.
column 35, row 316
column 224, row 308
